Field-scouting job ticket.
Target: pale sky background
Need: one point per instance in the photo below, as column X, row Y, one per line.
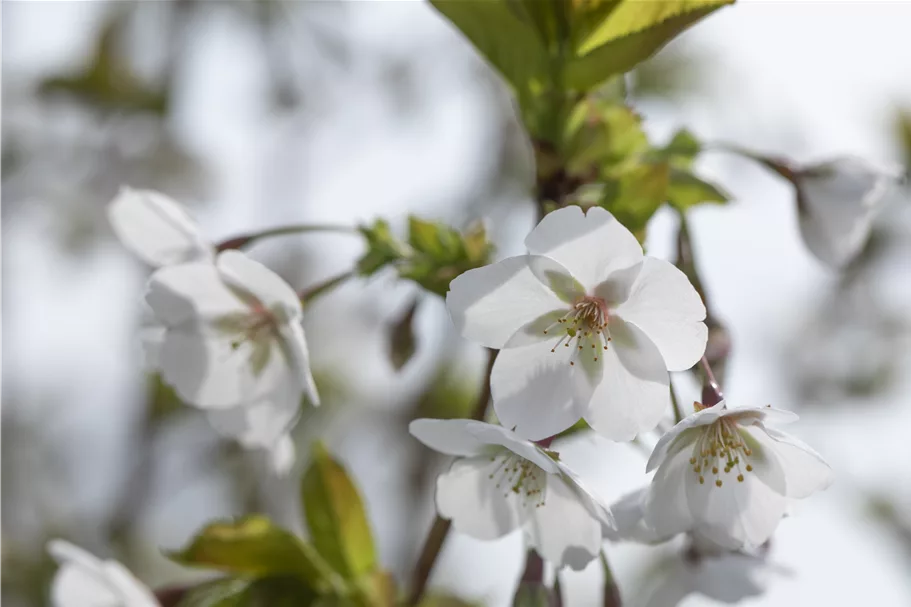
column 807, row 79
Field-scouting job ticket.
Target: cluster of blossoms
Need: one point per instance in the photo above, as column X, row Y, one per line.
column 587, row 328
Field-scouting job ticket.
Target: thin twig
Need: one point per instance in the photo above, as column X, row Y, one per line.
column 711, row 391
column 678, row 413
column 244, row 240
column 440, row 529
column 311, row 293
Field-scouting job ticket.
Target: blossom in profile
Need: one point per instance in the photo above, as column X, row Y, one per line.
column 587, row 327
column 725, row 477
column 84, row 580
column 837, row 202
column 501, row 482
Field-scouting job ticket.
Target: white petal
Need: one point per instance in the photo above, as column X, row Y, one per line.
column 469, row 496
column 836, row 205
column 805, row 470
column 562, row 529
column 449, row 436
column 151, row 336
column 252, row 277
column 766, row 465
column 590, row 245
column 666, row 510
column 492, row 434
column 282, row 455
column 191, row 294
column 667, row 308
column 633, row 394
column 629, row 516
column 537, row 392
column 212, row 371
column 737, row 514
column 86, row 581
column 156, row 228
column 261, row 424
column 132, row 592
column 593, row 505
column 294, row 345
column 489, row 304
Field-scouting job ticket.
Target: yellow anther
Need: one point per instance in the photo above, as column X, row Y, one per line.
column 740, row 478
column 718, row 483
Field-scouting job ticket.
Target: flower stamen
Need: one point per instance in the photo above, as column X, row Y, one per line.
column 585, row 322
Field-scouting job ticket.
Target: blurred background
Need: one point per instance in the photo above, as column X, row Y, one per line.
column 262, row 113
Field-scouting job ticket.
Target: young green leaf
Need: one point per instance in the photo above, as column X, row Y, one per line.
column 336, row 518
column 629, row 34
column 685, row 190
column 382, row 248
column 508, row 38
column 254, row 547
column 637, row 194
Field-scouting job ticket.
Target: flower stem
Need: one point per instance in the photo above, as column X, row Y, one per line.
column 611, row 591
column 440, row 529
column 239, row 242
column 711, row 391
column 678, row 413
column 309, row 294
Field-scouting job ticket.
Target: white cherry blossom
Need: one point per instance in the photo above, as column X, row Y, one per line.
column 84, row 580
column 724, row 476
column 224, row 331
column 836, row 204
column 501, row 482
column 587, row 327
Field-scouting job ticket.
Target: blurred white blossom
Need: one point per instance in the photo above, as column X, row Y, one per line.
column 501, row 482
column 83, row 580
column 727, row 478
column 837, row 202
column 588, row 327
column 224, row 331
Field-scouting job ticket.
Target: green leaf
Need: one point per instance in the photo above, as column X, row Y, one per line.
column 630, row 33
column 336, row 518
column 636, row 195
column 685, row 190
column 382, row 248
column 682, row 149
column 225, row 592
column 440, row 253
column 602, row 135
column 254, row 547
column 508, row 38
column 402, row 342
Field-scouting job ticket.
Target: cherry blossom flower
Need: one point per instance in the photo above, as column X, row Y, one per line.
column 83, row 580
column 837, row 202
column 587, row 327
column 501, row 482
column 223, row 330
column 726, row 477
